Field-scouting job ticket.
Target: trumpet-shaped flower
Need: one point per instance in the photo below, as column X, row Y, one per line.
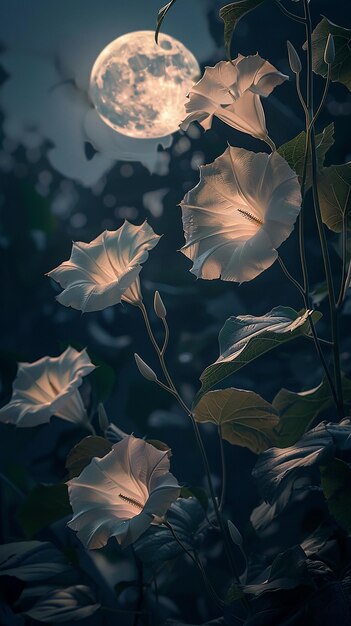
column 121, row 494
column 49, row 387
column 243, row 208
column 231, row 91
column 105, row 271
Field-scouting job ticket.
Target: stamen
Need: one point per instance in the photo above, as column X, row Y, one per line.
column 131, row 501
column 249, row 216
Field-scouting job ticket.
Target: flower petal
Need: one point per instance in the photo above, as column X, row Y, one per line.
column 118, row 494
column 98, row 274
column 231, row 91
column 48, row 387
column 243, row 208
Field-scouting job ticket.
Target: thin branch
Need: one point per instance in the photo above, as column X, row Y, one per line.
column 209, row 588
column 288, row 13
column 224, row 472
column 321, row 231
column 345, row 271
column 325, row 92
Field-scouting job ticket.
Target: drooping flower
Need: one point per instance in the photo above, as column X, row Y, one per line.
column 121, row 494
column 231, row 91
column 243, row 208
column 49, row 387
column 105, row 271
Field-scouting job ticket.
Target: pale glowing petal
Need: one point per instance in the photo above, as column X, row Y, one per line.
column 119, row 494
column 48, row 387
column 105, row 271
column 231, row 91
column 243, row 208
column 245, row 114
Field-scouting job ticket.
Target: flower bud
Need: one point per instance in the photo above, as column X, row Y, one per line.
column 235, row 535
column 294, row 59
column 144, row 369
column 103, row 419
column 329, row 51
column 159, row 307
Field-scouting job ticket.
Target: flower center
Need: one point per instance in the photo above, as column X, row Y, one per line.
column 250, row 216
column 131, row 501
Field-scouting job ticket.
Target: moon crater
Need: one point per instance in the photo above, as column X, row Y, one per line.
column 139, row 88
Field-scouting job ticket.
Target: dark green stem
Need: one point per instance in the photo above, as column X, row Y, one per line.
column 288, row 13
column 321, row 232
column 209, row 588
column 344, row 273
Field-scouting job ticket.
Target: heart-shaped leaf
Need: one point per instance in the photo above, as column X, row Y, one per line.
column 336, row 484
column 341, row 66
column 64, row 605
column 244, row 417
column 231, row 14
column 298, row 410
column 334, row 190
column 246, row 337
column 293, row 152
column 80, row 456
column 158, row 545
column 277, row 468
column 32, row 560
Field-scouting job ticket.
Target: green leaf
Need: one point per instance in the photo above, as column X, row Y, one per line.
column 44, row 505
column 334, row 186
column 161, row 16
column 234, row 593
column 80, row 456
column 160, row 445
column 288, row 570
column 341, row 66
column 157, row 544
column 298, row 411
column 231, row 14
column 336, row 484
column 246, row 337
column 64, row 605
column 294, row 152
column 32, row 560
column 245, row 418
column 195, row 492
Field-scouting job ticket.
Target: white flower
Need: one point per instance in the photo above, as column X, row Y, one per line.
column 121, row 494
column 105, row 271
column 49, row 387
column 243, row 208
column 231, row 91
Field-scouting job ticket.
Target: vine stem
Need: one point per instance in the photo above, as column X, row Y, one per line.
column 313, row 330
column 224, row 472
column 317, row 210
column 288, row 13
column 173, row 390
column 209, row 587
column 305, row 289
column 345, row 272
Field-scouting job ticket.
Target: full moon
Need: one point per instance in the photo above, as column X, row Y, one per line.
column 139, row 88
